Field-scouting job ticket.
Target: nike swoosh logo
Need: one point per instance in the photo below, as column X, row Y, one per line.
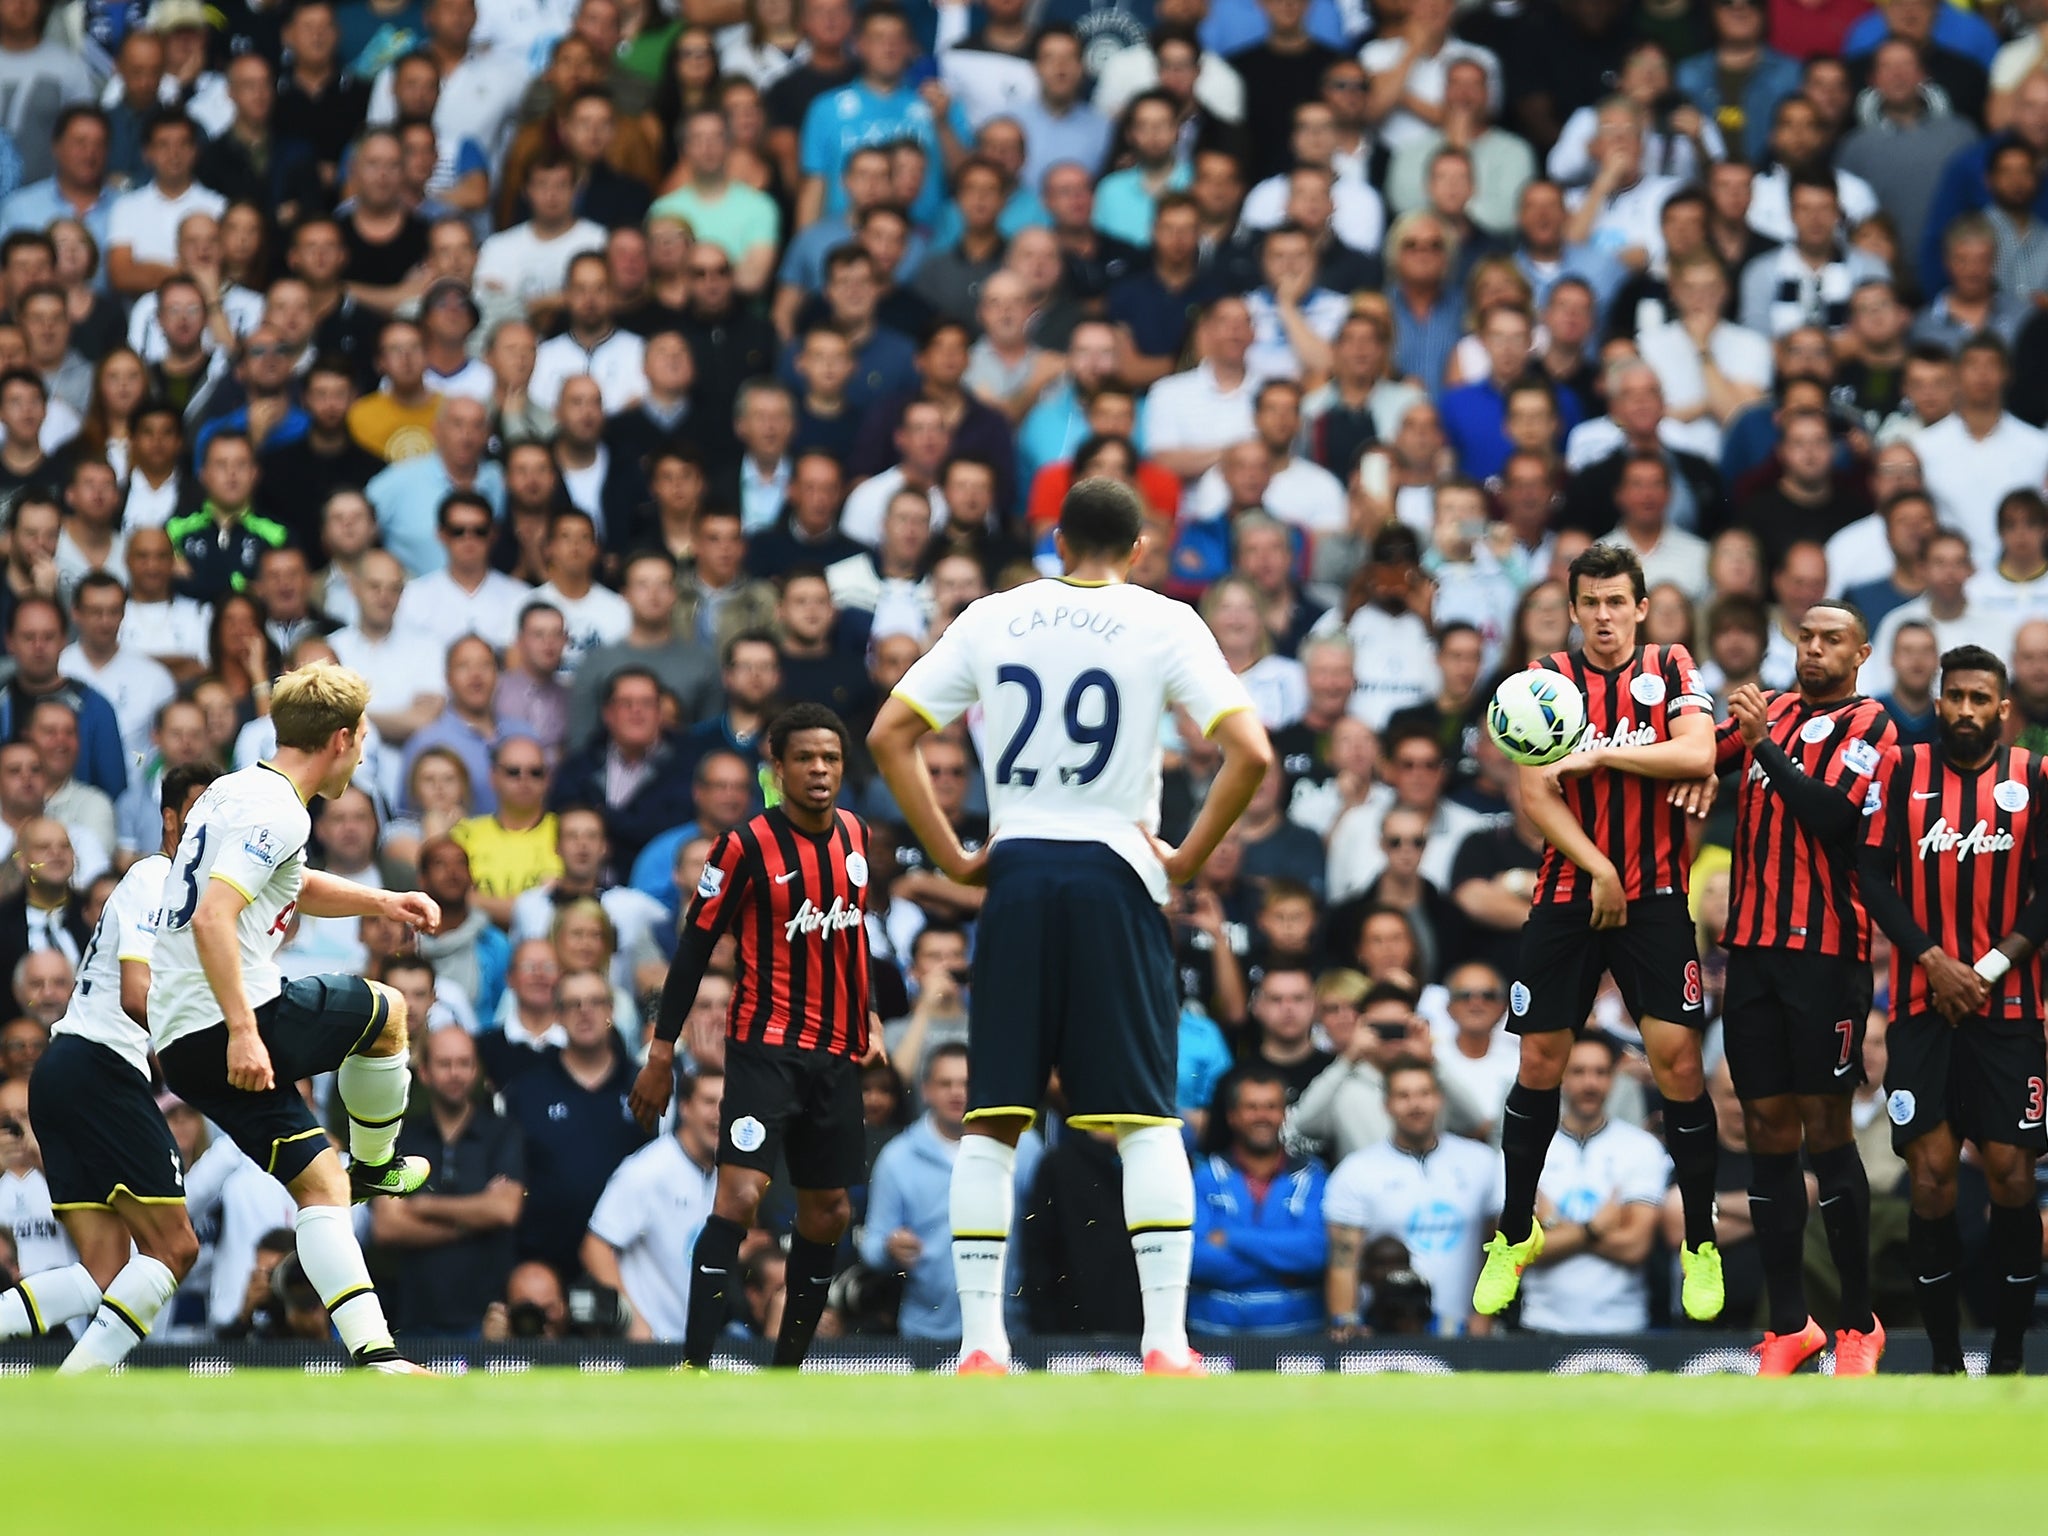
column 1692, row 1007
column 714, row 1273
column 1844, row 1071
column 1687, row 1129
column 2030, row 1125
column 1926, row 794
column 1831, row 1200
column 785, row 879
column 2021, row 1279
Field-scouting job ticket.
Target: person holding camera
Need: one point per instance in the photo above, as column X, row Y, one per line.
column 534, row 1306
column 938, row 971
column 455, row 1242
column 1344, row 1108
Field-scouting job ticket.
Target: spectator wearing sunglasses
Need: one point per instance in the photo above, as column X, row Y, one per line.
column 466, row 596
column 1475, row 1059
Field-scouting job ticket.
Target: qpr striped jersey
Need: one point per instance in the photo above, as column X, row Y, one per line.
column 1965, row 850
column 1627, row 815
column 796, row 903
column 1790, row 889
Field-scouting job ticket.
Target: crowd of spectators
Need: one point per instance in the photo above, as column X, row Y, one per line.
column 597, row 377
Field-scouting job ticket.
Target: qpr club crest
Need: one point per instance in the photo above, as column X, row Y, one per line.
column 1819, row 728
column 1648, row 690
column 2010, row 796
column 857, row 871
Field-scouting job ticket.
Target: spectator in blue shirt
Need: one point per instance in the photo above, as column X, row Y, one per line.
column 1428, row 319
column 879, row 107
column 1059, row 125
column 1126, row 200
column 1260, row 1241
column 1475, row 415
column 909, row 1229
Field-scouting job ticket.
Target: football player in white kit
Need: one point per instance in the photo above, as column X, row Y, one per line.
column 1073, row 961
column 116, row 1180
column 234, row 1038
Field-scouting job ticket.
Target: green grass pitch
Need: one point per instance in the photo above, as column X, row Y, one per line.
column 568, row 1454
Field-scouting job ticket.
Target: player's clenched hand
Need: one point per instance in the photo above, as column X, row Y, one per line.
column 1751, row 712
column 654, row 1087
column 415, row 908
column 1695, row 797
column 1956, row 989
column 877, row 1054
column 249, row 1062
column 1610, row 906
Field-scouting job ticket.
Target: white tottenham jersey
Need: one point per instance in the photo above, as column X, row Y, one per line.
column 1073, row 678
column 1587, row 1293
column 1441, row 1204
column 127, row 931
column 249, row 829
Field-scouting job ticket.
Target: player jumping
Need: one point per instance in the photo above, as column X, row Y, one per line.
column 1073, row 960
column 1798, row 991
column 234, row 1038
column 792, row 887
column 116, row 1181
column 1953, row 870
column 1611, row 897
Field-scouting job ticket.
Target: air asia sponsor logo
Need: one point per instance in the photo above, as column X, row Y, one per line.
column 1626, row 733
column 810, row 918
column 1980, row 839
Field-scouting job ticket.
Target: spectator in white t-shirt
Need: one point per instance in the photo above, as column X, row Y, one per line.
column 1602, row 1187
column 1439, row 1194
column 142, row 228
column 528, row 264
column 594, row 615
column 134, row 684
column 1978, row 452
column 402, row 666
column 2016, row 589
column 646, row 1222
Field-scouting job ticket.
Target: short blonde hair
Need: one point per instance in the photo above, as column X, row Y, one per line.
column 308, row 705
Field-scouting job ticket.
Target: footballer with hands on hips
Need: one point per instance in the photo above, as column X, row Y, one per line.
column 1799, row 992
column 1954, row 868
column 791, row 885
column 1611, row 897
column 1073, row 960
column 116, row 1180
column 234, row 1037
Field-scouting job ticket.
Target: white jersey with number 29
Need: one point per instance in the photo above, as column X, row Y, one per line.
column 249, row 829
column 1073, row 678
column 127, row 931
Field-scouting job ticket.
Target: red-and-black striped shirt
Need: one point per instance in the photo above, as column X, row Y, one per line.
column 1789, row 889
column 1963, row 846
column 1627, row 815
column 797, row 904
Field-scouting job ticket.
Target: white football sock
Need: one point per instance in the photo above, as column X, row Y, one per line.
column 373, row 1090
column 127, row 1311
column 333, row 1261
column 1159, row 1209
column 981, row 1202
column 45, row 1302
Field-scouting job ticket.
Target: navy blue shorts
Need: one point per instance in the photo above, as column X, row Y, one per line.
column 1073, row 973
column 310, row 1028
column 100, row 1129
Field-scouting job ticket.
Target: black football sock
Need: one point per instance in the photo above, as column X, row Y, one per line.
column 714, row 1276
column 1777, row 1209
column 1695, row 1158
column 1936, row 1245
column 803, row 1302
column 2013, row 1247
column 1845, row 1209
column 1525, row 1138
